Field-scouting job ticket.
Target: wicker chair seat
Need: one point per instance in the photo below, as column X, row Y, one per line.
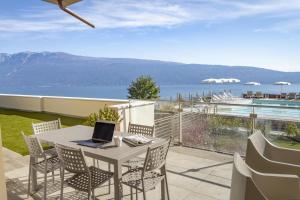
column 133, row 178
column 51, row 152
column 53, row 164
column 81, row 181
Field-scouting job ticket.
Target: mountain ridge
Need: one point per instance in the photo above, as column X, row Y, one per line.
column 60, row 68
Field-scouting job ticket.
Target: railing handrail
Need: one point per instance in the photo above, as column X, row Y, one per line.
column 235, row 104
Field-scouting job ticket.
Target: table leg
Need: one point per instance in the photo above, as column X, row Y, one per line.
column 117, row 181
column 33, row 175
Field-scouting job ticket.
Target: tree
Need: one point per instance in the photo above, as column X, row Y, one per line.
column 144, row 87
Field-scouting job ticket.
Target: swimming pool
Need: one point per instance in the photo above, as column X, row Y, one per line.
column 275, row 102
column 264, row 108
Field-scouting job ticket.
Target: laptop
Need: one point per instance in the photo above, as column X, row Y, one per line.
column 103, row 133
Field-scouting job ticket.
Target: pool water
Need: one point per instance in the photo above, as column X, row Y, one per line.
column 275, row 102
column 284, row 110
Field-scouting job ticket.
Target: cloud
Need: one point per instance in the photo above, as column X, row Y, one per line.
column 152, row 13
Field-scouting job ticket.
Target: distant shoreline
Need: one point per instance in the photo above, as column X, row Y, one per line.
column 167, row 91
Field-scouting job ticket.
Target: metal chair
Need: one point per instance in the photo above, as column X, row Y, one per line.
column 249, row 94
column 46, row 126
column 259, row 95
column 40, row 160
column 137, row 129
column 43, row 127
column 85, row 179
column 154, row 171
column 292, row 96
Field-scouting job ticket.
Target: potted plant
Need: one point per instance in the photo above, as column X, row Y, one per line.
column 106, row 114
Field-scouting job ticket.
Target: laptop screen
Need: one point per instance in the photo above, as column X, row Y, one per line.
column 104, row 131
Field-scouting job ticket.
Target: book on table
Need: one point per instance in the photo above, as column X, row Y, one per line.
column 137, row 140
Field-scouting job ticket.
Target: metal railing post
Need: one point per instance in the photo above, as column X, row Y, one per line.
column 129, row 111
column 180, row 120
column 124, row 119
column 180, row 128
column 253, row 117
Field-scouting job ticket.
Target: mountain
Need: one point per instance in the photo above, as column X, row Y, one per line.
column 57, row 68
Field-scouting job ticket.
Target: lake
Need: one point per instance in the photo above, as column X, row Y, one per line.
column 167, row 91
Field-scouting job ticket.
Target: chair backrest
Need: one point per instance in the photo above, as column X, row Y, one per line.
column 156, row 156
column 292, row 95
column 258, row 141
column 255, row 151
column 34, row 146
column 46, row 126
column 261, row 145
column 242, row 185
column 141, row 130
column 72, row 159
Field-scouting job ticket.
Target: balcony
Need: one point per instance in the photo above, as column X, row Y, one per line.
column 199, row 164
column 192, row 174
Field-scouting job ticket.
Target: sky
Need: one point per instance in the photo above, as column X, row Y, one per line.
column 261, row 33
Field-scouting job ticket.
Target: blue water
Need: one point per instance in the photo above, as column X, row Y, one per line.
column 274, row 102
column 287, row 113
column 167, row 91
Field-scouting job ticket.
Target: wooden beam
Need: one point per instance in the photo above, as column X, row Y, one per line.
column 62, row 4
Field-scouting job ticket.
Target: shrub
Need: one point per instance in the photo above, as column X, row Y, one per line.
column 106, row 114
column 291, row 129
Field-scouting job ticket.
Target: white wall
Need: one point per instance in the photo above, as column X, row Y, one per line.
column 70, row 106
column 137, row 112
column 78, row 107
column 134, row 111
column 21, row 102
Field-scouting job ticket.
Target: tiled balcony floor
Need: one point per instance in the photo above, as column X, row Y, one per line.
column 192, row 174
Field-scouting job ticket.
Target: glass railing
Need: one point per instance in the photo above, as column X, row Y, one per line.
column 225, row 127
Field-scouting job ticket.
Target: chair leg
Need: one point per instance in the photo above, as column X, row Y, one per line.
column 45, row 184
column 167, row 187
column 164, row 184
column 93, row 194
column 144, row 191
column 53, row 176
column 62, row 174
column 131, row 194
column 89, row 195
column 144, row 194
column 29, row 178
column 109, row 181
column 163, row 189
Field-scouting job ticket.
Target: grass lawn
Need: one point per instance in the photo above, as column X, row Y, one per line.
column 13, row 122
column 287, row 144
